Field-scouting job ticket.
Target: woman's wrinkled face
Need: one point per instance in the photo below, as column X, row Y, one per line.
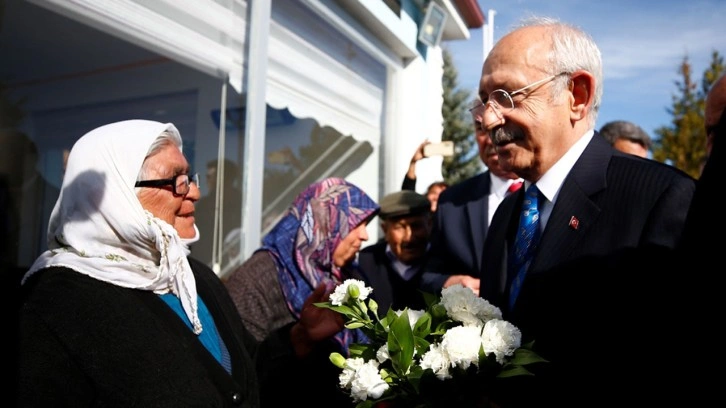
column 348, row 248
column 177, row 210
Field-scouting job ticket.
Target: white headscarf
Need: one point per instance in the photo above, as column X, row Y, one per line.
column 99, row 228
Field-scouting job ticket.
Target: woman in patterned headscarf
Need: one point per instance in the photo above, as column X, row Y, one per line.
column 315, row 242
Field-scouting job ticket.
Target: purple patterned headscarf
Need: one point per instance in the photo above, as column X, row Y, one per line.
column 304, row 240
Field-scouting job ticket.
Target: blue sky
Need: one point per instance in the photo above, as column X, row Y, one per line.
column 642, row 45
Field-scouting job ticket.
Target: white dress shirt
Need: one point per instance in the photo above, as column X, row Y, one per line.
column 497, row 191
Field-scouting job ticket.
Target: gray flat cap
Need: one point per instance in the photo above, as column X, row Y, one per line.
column 403, row 203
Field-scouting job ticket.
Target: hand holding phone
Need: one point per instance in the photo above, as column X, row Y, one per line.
column 445, row 148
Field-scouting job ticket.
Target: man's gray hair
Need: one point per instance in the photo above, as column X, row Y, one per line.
column 572, row 50
column 622, row 129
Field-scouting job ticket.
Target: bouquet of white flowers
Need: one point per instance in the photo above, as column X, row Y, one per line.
column 445, row 355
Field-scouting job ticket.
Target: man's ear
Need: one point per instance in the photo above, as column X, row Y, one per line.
column 582, row 87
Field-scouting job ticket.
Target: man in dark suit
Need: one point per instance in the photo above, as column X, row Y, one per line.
column 593, row 297
column 393, row 266
column 464, row 212
column 700, row 248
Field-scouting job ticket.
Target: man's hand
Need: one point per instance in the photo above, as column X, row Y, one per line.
column 417, row 155
column 316, row 323
column 465, row 280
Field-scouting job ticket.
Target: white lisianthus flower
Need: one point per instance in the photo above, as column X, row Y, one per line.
column 437, row 361
column 347, row 375
column 413, row 315
column 340, row 295
column 367, row 382
column 461, row 345
column 463, row 305
column 382, row 353
column 501, row 338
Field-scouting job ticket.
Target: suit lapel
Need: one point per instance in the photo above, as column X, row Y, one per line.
column 478, row 213
column 574, row 212
column 569, row 222
column 496, row 247
column 376, row 264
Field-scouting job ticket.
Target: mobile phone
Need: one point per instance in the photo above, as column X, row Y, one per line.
column 445, row 148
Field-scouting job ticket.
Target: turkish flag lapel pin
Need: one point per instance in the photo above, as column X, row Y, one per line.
column 574, row 223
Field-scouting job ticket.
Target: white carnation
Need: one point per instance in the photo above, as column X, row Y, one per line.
column 437, row 361
column 463, row 305
column 368, row 382
column 340, row 294
column 461, row 345
column 487, row 311
column 348, row 373
column 382, row 353
column 501, row 338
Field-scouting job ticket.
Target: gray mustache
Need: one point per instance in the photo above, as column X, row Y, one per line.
column 501, row 136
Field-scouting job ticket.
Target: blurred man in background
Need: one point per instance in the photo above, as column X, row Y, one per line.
column 627, row 137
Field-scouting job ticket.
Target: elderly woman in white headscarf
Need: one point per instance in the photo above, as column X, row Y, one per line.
column 115, row 313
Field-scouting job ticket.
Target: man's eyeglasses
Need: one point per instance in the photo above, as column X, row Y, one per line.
column 501, row 100
column 179, row 183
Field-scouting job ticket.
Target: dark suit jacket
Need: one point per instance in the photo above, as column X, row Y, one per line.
column 389, row 289
column 598, row 299
column 460, row 227
column 699, row 245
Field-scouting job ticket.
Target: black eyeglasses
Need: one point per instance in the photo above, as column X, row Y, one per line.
column 179, row 183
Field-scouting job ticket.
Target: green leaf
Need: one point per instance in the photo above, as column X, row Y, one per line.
column 513, row 371
column 524, row 356
column 422, row 345
column 373, row 306
column 488, row 362
column 414, row 377
column 442, row 327
column 423, row 326
column 438, row 311
column 529, row 345
column 364, row 351
column 400, row 343
column 343, row 309
column 429, row 298
column 354, row 325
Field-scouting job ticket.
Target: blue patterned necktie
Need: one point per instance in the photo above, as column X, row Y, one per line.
column 526, row 241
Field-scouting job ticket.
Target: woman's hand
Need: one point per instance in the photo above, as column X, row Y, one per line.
column 316, row 323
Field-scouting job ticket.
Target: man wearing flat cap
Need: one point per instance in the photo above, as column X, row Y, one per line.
column 393, row 266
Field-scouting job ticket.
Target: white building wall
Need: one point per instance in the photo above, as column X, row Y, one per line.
column 313, row 73
column 414, row 114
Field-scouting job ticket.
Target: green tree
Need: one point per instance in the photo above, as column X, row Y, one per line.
column 458, row 127
column 683, row 143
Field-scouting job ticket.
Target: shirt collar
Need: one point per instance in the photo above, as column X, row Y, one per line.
column 551, row 182
column 499, row 186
